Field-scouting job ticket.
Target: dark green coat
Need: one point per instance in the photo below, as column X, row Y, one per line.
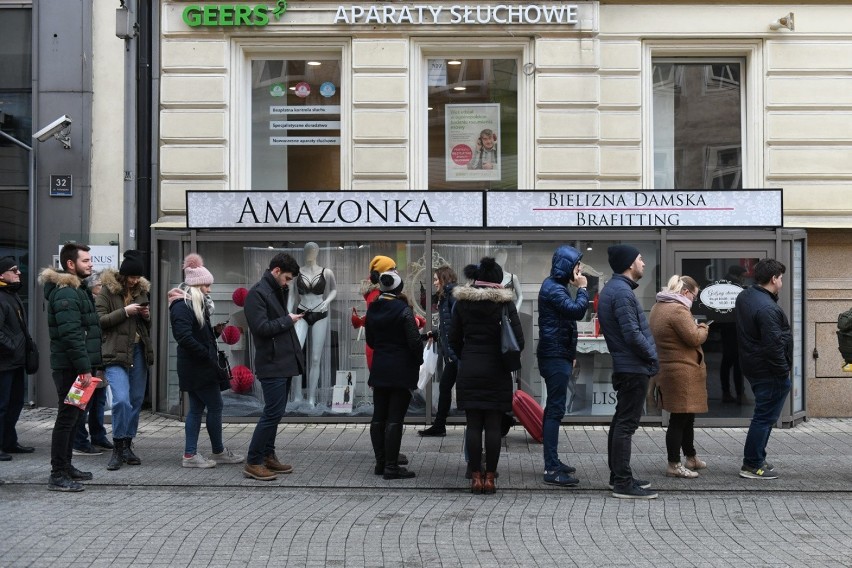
column 119, row 331
column 75, row 333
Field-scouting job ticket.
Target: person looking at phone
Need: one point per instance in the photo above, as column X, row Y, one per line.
column 124, row 311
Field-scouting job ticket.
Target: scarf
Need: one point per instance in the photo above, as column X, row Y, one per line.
column 670, row 297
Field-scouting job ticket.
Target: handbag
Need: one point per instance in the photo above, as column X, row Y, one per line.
column 224, row 368
column 31, row 357
column 509, row 348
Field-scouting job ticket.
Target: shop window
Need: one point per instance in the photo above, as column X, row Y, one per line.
column 15, row 95
column 698, row 124
column 472, row 123
column 295, row 124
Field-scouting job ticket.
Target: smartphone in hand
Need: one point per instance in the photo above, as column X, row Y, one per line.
column 709, row 322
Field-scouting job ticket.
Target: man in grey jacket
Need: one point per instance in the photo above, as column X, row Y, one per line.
column 634, row 362
column 278, row 358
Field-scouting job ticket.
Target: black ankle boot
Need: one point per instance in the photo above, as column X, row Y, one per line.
column 116, row 459
column 393, row 439
column 129, row 457
column 377, row 437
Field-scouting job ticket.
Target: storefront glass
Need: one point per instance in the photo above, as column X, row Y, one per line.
column 697, row 118
column 295, row 124
column 473, row 123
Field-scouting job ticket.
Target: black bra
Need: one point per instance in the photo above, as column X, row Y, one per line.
column 315, row 285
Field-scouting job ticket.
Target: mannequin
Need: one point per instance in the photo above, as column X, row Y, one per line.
column 315, row 288
column 510, row 280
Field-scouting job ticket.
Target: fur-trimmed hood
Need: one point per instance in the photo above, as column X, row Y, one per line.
column 485, row 294
column 59, row 279
column 109, row 279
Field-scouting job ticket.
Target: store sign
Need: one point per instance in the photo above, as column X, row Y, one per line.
column 339, row 209
column 231, row 15
column 481, row 14
column 720, row 296
column 635, row 209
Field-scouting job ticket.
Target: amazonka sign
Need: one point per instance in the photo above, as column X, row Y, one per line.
column 760, row 208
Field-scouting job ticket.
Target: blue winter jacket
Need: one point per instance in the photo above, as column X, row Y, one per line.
column 558, row 312
column 626, row 329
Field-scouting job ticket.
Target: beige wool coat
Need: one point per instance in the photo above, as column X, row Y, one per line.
column 682, row 379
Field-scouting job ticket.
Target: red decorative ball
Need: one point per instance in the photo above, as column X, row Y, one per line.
column 239, row 296
column 241, row 379
column 231, row 334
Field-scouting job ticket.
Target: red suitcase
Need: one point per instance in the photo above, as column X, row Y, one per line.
column 529, row 413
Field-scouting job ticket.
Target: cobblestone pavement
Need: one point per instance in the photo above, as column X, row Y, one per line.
column 330, row 513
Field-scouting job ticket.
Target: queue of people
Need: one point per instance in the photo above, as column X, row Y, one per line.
column 107, row 335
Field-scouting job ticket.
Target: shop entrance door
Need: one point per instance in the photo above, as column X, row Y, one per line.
column 721, row 270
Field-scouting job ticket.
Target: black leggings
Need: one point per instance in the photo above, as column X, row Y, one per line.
column 490, row 421
column 390, row 404
column 681, row 434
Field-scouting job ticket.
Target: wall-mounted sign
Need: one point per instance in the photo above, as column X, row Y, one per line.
column 231, row 15
column 635, row 209
column 61, row 185
column 304, row 140
column 482, row 14
column 304, row 124
column 720, row 296
column 341, row 209
column 472, row 146
column 304, row 109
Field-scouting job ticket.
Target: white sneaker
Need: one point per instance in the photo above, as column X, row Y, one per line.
column 227, row 456
column 198, row 461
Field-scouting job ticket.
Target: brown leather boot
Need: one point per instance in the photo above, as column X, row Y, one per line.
column 489, row 487
column 476, row 482
column 271, row 462
column 259, row 472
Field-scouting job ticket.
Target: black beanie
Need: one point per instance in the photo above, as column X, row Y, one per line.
column 391, row 282
column 487, row 271
column 621, row 257
column 7, row 262
column 132, row 264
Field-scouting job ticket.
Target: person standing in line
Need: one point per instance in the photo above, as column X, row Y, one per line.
column 190, row 308
column 278, row 358
column 13, row 350
column 444, row 281
column 682, row 379
column 634, row 361
column 94, row 413
column 558, row 314
column 397, row 356
column 766, row 358
column 483, row 385
column 75, row 350
column 124, row 310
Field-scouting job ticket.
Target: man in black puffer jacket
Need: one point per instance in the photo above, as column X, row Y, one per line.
column 766, row 358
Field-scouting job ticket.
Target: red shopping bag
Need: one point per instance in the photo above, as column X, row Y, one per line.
column 529, row 413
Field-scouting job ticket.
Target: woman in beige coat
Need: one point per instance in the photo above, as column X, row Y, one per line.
column 682, row 379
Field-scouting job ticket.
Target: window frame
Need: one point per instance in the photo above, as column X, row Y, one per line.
column 423, row 49
column 750, row 54
column 244, row 51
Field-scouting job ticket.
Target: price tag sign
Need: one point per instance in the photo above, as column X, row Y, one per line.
column 61, row 186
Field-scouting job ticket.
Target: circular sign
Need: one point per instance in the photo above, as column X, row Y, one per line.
column 302, row 89
column 720, row 296
column 328, row 89
column 461, row 154
column 277, row 89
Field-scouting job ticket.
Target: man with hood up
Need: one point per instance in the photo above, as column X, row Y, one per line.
column 558, row 313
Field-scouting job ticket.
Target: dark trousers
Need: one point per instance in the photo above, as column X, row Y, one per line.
column 94, row 417
column 61, row 442
column 680, row 435
column 730, row 360
column 275, row 393
column 390, row 404
column 11, row 405
column 477, row 421
column 445, row 391
column 770, row 396
column 631, row 389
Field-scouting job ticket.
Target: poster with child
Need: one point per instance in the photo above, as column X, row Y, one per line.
column 472, row 142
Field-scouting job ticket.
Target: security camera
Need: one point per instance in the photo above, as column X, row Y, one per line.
column 53, row 128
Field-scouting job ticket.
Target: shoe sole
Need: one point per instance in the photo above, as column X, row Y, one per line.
column 196, row 466
column 286, row 471
column 66, row 489
column 444, row 435
column 679, row 476
column 749, row 475
column 624, row 496
column 645, row 486
column 260, row 477
column 557, row 484
column 79, row 453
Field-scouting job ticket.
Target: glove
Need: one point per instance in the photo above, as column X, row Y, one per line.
column 420, row 321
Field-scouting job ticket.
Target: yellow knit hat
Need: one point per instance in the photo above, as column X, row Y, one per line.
column 382, row 264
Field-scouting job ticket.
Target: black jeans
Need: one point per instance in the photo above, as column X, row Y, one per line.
column 730, row 360
column 445, row 391
column 390, row 404
column 490, row 421
column 631, row 389
column 681, row 434
column 11, row 404
column 64, row 429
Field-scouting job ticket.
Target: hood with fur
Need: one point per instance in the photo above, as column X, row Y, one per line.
column 176, row 294
column 473, row 294
column 111, row 283
column 58, row 279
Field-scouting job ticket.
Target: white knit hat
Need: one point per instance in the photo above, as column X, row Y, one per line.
column 194, row 272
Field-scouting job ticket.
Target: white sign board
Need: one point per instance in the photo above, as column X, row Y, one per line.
column 721, row 296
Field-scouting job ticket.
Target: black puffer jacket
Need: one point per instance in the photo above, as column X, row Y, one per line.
column 278, row 352
column 397, row 350
column 482, row 381
column 764, row 335
column 13, row 336
column 197, row 355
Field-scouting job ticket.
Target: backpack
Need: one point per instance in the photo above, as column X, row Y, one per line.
column 844, row 335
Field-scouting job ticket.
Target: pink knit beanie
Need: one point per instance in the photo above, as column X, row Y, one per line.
column 194, row 272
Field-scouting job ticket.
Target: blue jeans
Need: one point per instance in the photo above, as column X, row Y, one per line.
column 211, row 398
column 769, row 398
column 128, row 392
column 631, row 389
column 556, row 373
column 275, row 393
column 94, row 417
column 12, row 392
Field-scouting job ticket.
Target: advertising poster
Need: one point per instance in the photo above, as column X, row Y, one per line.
column 473, row 142
column 344, row 392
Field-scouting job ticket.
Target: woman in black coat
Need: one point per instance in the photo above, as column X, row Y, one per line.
column 397, row 355
column 483, row 385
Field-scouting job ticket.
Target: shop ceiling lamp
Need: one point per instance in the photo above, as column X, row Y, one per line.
column 459, row 88
column 314, row 63
column 787, row 22
column 453, row 62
